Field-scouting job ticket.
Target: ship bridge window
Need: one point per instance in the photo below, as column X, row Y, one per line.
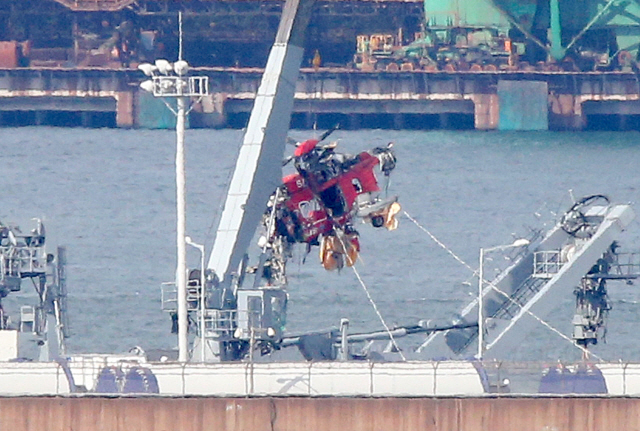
column 254, row 306
column 278, row 312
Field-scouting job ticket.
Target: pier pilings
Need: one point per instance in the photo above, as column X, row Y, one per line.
column 356, row 99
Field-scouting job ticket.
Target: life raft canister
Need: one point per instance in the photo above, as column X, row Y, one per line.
column 333, row 254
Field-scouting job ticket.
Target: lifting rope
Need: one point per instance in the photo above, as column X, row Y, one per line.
column 371, row 301
column 375, row 308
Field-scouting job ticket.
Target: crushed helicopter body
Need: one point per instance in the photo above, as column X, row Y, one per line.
column 320, row 203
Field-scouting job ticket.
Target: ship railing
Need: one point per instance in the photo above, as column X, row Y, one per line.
column 169, row 294
column 219, row 322
column 511, row 306
column 626, row 265
column 27, row 318
column 30, row 262
column 194, row 295
column 547, row 263
column 20, row 261
column 9, row 267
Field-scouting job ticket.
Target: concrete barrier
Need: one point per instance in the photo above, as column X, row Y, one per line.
column 318, row 414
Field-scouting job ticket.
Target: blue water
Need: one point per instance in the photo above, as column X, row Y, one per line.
column 109, row 197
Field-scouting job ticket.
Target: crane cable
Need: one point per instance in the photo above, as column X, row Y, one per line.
column 371, row 301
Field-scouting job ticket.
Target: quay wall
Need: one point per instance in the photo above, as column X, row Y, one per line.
column 403, row 99
column 88, row 413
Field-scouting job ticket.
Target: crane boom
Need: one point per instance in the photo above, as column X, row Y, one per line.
column 258, row 169
column 546, row 271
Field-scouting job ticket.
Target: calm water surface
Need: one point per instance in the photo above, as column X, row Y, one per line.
column 109, row 196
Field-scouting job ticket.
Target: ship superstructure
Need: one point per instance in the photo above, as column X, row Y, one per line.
column 233, row 317
column 40, row 330
column 238, row 308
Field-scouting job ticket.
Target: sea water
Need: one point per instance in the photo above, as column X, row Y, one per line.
column 108, row 195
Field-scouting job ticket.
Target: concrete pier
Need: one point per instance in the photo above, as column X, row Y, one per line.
column 508, row 413
column 355, row 99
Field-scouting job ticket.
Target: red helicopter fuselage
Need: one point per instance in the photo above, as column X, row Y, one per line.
column 324, row 193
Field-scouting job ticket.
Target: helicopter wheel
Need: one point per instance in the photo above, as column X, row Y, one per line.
column 377, row 221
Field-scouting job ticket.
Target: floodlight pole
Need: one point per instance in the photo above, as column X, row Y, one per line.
column 181, row 210
column 169, row 80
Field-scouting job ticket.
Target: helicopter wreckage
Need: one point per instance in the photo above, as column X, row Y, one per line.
column 320, row 203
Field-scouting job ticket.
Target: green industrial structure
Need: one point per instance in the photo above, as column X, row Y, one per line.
column 593, row 34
